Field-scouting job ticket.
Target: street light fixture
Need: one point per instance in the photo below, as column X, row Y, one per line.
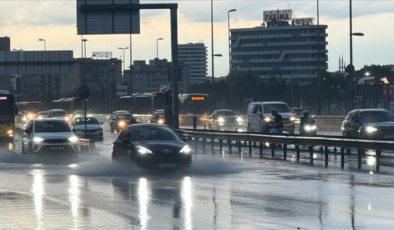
column 45, row 43
column 157, row 47
column 123, row 60
column 229, row 38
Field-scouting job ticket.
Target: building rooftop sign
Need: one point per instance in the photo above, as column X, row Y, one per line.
column 303, row 21
column 278, row 15
column 102, row 55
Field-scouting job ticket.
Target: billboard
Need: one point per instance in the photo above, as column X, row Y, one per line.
column 278, row 15
column 107, row 17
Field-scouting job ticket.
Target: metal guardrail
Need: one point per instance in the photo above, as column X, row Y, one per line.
column 342, row 143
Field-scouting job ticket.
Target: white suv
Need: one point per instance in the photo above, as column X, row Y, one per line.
column 266, row 109
column 49, row 136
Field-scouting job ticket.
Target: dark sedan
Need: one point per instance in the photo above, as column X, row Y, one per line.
column 369, row 124
column 151, row 146
column 119, row 121
column 226, row 120
column 158, row 117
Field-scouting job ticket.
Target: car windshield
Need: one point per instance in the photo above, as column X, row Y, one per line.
column 280, row 108
column 89, row 120
column 123, row 116
column 43, row 113
column 51, row 127
column 225, row 113
column 153, row 133
column 59, row 114
column 376, row 116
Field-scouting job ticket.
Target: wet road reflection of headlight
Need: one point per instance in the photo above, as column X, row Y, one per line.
column 371, row 129
column 188, row 202
column 221, row 119
column 143, row 198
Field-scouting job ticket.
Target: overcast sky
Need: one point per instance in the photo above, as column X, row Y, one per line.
column 27, row 21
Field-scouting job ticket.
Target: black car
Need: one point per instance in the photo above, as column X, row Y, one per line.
column 114, row 113
column 151, row 146
column 120, row 121
column 158, row 117
column 226, row 120
column 369, row 123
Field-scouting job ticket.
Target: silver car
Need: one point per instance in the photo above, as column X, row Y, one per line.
column 93, row 128
column 49, row 136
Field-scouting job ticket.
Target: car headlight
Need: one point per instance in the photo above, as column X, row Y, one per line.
column 73, row 139
column 24, row 119
column 30, row 116
column 186, row 149
column 310, row 127
column 292, row 119
column 10, row 132
column 371, row 129
column 67, row 118
column 121, row 123
column 143, row 150
column 267, row 119
column 239, row 119
column 161, row 121
column 40, row 117
column 38, row 139
column 221, row 119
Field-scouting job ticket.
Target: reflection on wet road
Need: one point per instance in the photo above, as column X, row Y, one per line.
column 219, row 191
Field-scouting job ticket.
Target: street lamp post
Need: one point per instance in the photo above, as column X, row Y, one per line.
column 212, row 59
column 157, row 47
column 45, row 43
column 318, row 62
column 84, row 45
column 212, row 84
column 229, row 38
column 123, row 60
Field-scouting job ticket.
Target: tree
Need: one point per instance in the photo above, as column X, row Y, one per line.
column 374, row 70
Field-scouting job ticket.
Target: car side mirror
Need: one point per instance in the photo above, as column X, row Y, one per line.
column 184, row 139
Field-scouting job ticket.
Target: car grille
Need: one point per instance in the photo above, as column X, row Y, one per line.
column 55, row 141
column 387, row 131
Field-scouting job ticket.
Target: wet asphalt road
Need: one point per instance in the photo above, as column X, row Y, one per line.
column 219, row 191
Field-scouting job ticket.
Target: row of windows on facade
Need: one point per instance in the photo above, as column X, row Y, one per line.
column 278, row 65
column 268, row 57
column 276, row 40
column 289, row 73
column 101, row 70
column 276, row 48
column 276, row 32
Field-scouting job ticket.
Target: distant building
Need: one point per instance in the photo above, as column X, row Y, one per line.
column 282, row 47
column 100, row 73
column 195, row 56
column 154, row 76
column 5, row 44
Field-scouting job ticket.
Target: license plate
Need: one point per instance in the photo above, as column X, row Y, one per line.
column 167, row 165
column 388, row 136
column 56, row 148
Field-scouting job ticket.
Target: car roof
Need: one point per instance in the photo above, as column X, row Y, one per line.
column 50, row 119
column 121, row 111
column 268, row 102
column 371, row 110
column 224, row 110
column 43, row 112
column 57, row 110
column 149, row 125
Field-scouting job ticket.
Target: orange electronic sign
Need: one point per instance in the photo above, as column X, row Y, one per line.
column 198, row 98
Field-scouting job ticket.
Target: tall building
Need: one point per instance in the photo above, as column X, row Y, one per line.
column 282, row 47
column 5, row 44
column 153, row 76
column 195, row 56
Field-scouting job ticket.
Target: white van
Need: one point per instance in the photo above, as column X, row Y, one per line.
column 266, row 109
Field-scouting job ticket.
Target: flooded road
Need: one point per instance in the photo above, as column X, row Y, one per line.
column 219, row 191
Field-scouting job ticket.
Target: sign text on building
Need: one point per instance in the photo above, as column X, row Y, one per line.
column 303, row 21
column 278, row 15
column 102, row 55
